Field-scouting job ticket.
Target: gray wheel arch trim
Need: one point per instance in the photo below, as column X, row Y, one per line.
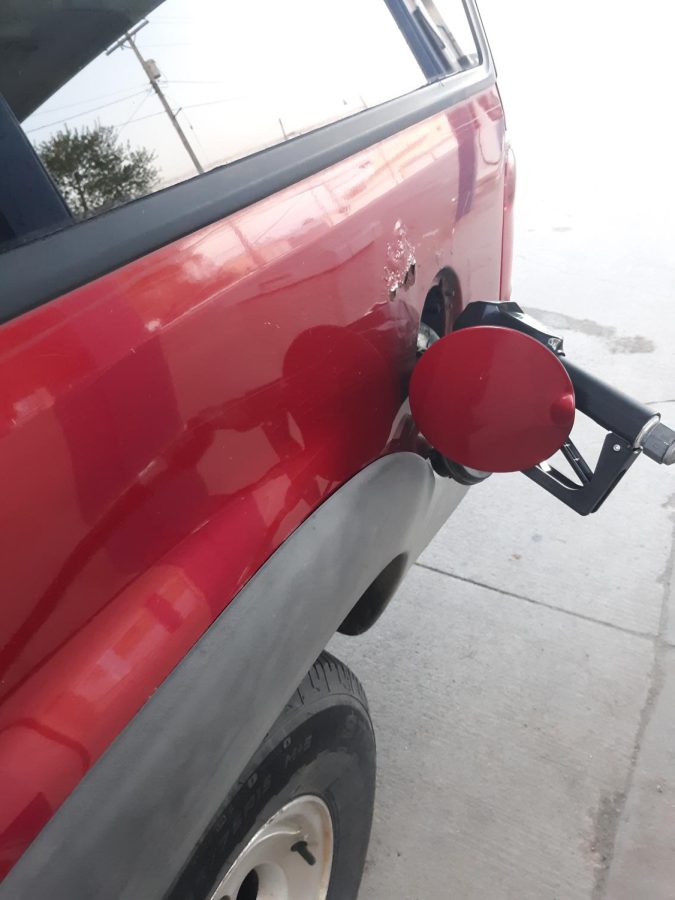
column 130, row 826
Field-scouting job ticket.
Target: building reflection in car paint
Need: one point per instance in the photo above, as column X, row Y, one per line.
column 171, row 423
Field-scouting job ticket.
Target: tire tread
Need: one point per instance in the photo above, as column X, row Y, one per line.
column 328, row 675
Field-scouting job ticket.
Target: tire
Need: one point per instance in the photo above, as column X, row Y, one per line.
column 322, row 745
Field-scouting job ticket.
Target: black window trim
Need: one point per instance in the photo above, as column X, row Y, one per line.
column 417, row 39
column 50, row 266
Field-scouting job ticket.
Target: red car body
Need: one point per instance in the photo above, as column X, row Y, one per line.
column 166, row 426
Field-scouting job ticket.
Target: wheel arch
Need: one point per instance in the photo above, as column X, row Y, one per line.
column 116, row 836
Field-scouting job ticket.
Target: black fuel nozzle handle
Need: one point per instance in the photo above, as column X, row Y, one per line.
column 621, row 414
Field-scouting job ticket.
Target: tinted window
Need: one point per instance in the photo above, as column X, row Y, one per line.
column 127, row 101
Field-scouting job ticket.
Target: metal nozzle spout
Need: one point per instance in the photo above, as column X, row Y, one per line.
column 659, row 444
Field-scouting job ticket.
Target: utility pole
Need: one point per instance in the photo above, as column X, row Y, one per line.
column 153, row 74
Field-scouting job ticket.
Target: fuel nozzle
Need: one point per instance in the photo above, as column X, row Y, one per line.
column 622, row 415
column 509, row 406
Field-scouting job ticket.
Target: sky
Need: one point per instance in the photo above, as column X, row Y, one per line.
column 587, row 90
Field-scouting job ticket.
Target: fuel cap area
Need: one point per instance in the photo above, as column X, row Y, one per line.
column 492, row 399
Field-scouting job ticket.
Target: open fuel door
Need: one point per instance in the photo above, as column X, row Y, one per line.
column 498, row 394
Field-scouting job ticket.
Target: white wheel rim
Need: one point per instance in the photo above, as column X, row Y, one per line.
column 289, row 858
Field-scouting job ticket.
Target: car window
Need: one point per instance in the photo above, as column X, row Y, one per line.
column 448, row 28
column 188, row 85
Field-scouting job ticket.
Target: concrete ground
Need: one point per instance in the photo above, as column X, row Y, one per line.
column 522, row 682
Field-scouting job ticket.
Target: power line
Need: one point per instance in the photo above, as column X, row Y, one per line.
column 83, row 113
column 182, row 109
column 55, row 109
column 148, row 93
column 141, row 119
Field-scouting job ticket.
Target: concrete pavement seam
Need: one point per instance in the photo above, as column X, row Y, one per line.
column 514, row 596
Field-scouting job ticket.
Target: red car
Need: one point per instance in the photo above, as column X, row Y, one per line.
column 227, row 232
